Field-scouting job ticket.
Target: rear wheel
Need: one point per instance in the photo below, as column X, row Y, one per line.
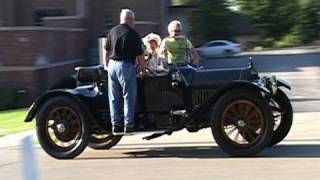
column 62, row 128
column 283, row 115
column 242, row 123
column 103, row 141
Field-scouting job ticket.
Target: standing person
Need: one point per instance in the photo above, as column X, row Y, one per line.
column 123, row 47
column 176, row 47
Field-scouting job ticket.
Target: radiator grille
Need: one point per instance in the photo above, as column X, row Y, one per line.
column 200, row 96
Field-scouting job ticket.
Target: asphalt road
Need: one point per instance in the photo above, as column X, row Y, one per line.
column 302, row 71
column 195, row 156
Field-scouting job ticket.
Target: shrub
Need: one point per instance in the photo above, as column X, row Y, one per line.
column 266, row 42
column 291, row 39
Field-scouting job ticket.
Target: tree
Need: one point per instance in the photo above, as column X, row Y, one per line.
column 210, row 20
column 308, row 26
column 181, row 2
column 274, row 18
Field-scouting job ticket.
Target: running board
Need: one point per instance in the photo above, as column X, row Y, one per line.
column 140, row 132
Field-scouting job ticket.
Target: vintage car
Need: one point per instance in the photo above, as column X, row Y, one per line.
column 245, row 112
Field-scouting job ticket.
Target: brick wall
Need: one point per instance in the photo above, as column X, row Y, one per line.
column 100, row 12
column 7, row 12
column 64, row 21
column 32, row 82
column 33, row 58
column 25, row 9
column 144, row 28
column 27, row 46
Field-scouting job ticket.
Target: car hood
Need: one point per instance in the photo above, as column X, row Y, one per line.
column 212, row 77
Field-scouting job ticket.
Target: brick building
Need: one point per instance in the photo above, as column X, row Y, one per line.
column 42, row 41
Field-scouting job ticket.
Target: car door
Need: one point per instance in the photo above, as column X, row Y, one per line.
column 215, row 48
column 154, row 92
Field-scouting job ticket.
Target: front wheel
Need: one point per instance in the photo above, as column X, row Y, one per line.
column 62, row 128
column 242, row 123
column 103, row 141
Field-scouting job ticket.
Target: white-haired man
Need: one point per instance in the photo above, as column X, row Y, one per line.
column 123, row 47
column 176, row 47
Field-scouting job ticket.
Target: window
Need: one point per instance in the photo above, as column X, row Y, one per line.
column 217, row 44
column 39, row 13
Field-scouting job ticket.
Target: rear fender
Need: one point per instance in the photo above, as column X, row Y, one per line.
column 73, row 93
column 234, row 85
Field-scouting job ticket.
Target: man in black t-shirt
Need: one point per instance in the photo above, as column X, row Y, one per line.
column 123, row 47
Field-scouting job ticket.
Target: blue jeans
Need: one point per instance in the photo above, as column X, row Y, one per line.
column 122, row 90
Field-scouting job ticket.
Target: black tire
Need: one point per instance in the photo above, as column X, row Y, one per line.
column 103, row 141
column 281, row 105
column 249, row 114
column 64, row 114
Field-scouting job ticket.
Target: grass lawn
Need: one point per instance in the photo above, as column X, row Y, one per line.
column 12, row 121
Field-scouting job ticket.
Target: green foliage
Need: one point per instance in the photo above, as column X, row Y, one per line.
column 292, row 39
column 266, row 42
column 274, row 18
column 308, row 26
column 284, row 22
column 181, row 2
column 211, row 20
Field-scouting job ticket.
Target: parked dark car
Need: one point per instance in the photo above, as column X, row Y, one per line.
column 245, row 112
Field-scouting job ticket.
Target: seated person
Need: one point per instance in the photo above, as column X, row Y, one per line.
column 176, row 47
column 155, row 63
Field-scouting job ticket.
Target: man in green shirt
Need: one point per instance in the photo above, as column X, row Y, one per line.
column 177, row 47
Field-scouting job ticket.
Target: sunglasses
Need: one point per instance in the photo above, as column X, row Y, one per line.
column 177, row 30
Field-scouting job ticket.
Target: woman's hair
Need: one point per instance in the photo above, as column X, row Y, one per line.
column 173, row 24
column 154, row 42
column 152, row 37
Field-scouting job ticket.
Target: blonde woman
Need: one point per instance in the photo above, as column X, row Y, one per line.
column 155, row 63
column 176, row 47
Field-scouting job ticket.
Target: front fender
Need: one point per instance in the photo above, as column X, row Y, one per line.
column 87, row 91
column 283, row 83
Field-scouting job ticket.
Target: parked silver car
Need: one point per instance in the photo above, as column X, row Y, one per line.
column 219, row 48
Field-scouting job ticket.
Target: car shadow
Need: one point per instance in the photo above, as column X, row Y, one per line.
column 280, row 151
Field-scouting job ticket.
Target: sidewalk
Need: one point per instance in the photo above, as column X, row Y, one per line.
column 13, row 140
column 284, row 51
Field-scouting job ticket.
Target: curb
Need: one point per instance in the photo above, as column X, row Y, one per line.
column 14, row 140
column 289, row 51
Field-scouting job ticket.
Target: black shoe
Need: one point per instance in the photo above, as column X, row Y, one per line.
column 117, row 130
column 129, row 130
